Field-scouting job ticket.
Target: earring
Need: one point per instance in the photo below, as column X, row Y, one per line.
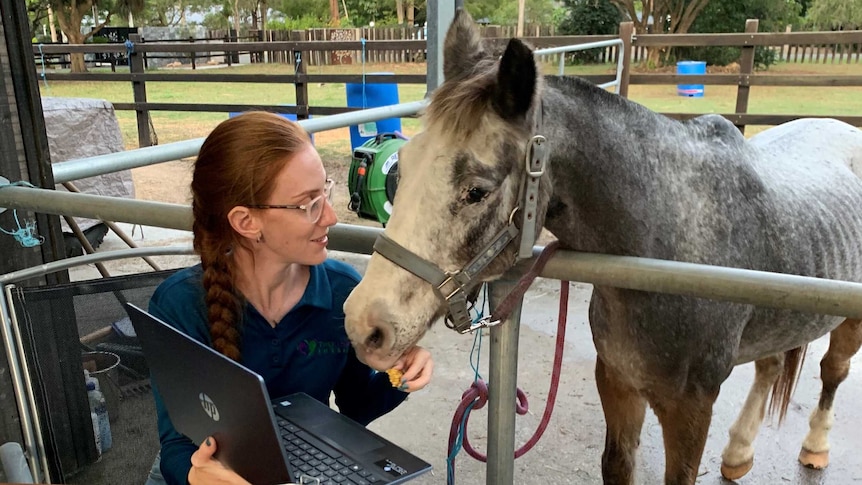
column 259, row 238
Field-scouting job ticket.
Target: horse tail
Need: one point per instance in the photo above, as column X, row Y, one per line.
column 783, row 388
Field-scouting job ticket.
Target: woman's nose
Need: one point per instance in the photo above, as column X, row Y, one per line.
column 329, row 217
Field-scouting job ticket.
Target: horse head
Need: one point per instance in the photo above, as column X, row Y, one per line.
column 466, row 197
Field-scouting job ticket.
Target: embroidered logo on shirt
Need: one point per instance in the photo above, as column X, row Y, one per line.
column 312, row 347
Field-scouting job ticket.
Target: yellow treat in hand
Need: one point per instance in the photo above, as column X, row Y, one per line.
column 395, row 377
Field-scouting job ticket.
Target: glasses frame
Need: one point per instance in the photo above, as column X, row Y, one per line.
column 327, row 194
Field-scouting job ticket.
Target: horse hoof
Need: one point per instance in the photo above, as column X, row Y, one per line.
column 815, row 460
column 736, row 472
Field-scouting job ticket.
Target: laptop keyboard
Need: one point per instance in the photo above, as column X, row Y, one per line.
column 310, row 457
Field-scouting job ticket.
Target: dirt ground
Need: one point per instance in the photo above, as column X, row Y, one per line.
column 570, row 451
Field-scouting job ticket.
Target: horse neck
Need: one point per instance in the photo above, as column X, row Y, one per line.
column 604, row 151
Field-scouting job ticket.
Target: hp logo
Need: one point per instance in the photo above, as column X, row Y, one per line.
column 209, row 406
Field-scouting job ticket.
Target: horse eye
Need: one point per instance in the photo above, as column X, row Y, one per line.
column 475, row 194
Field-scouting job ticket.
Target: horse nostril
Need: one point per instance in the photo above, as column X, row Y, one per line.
column 376, row 339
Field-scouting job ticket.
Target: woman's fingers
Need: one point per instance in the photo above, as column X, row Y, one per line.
column 204, row 455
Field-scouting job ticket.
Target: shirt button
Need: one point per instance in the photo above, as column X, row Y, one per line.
column 276, row 359
column 275, row 341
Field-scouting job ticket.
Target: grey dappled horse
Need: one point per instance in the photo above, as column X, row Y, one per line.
column 624, row 180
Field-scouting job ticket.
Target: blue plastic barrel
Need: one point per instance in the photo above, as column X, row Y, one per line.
column 290, row 116
column 690, row 67
column 372, row 95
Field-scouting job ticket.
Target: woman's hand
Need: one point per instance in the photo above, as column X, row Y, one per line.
column 208, row 470
column 417, row 366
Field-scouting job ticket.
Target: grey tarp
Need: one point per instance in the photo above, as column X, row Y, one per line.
column 83, row 127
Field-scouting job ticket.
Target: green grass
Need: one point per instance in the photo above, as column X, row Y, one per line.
column 177, row 126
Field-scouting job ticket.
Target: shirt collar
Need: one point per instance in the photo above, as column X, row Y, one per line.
column 318, row 293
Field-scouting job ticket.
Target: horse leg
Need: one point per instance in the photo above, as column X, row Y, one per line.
column 738, row 456
column 844, row 342
column 684, row 420
column 624, row 410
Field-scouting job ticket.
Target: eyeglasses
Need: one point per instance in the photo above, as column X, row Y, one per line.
column 313, row 209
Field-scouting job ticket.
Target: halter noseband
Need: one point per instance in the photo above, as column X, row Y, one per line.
column 451, row 284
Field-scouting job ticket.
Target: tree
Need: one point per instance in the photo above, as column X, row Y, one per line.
column 164, row 13
column 37, row 13
column 730, row 16
column 294, row 9
column 70, row 16
column 505, row 12
column 589, row 17
column 667, row 16
column 836, row 14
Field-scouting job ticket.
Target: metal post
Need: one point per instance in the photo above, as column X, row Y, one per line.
column 440, row 15
column 502, row 388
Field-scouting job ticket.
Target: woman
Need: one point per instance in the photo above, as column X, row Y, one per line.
column 265, row 293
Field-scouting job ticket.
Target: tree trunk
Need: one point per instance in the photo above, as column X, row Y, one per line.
column 411, row 12
column 70, row 19
column 51, row 23
column 78, row 64
column 236, row 22
column 399, row 11
column 520, row 28
column 334, row 17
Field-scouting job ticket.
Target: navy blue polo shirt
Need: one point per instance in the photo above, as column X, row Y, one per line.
column 308, row 351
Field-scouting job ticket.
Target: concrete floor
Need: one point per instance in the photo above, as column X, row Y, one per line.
column 570, row 451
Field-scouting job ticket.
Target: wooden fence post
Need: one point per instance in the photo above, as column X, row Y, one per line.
column 746, row 68
column 627, row 30
column 228, row 56
column 139, row 90
column 192, row 41
column 300, row 69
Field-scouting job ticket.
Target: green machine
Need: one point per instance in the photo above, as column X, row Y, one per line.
column 373, row 177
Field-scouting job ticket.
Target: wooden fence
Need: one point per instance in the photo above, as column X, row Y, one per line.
column 304, row 49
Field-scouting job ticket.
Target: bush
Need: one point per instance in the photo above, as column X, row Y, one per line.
column 588, row 17
column 301, row 23
column 722, row 56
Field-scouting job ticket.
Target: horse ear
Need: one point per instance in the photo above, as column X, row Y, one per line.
column 516, row 82
column 463, row 46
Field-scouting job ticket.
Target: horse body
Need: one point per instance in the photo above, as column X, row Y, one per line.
column 786, row 201
column 621, row 179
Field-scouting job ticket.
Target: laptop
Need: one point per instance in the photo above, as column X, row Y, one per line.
column 293, row 439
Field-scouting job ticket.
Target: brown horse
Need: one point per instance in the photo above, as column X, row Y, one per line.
column 504, row 151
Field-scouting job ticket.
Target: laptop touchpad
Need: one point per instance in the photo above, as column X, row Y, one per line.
column 349, row 439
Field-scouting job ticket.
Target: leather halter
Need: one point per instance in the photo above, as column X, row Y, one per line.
column 451, row 285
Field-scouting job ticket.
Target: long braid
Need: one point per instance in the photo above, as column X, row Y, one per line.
column 223, row 303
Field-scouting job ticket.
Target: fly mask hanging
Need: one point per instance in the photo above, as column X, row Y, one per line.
column 452, row 285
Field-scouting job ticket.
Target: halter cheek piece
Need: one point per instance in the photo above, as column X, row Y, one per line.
column 451, row 285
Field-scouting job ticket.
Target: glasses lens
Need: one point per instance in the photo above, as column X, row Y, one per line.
column 315, row 209
column 327, row 189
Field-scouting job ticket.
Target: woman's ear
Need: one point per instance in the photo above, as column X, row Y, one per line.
column 245, row 223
